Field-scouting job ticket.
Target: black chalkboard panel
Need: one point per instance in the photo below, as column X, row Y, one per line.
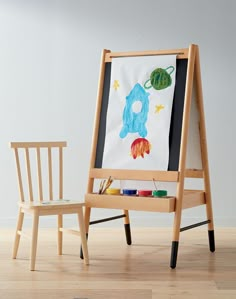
column 176, row 116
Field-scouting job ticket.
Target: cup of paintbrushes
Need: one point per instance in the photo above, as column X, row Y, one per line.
column 107, row 185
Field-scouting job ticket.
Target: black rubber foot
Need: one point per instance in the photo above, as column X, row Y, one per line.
column 128, row 234
column 174, row 254
column 211, row 238
column 81, row 250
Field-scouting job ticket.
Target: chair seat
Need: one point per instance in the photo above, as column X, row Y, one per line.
column 53, row 207
column 45, row 204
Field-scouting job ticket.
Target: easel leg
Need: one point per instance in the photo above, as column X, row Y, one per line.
column 175, row 242
column 127, row 227
column 204, row 154
column 174, row 254
column 211, row 238
column 211, row 235
column 86, row 220
column 182, row 156
column 176, row 227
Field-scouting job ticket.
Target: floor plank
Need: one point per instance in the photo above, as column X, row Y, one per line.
column 117, row 270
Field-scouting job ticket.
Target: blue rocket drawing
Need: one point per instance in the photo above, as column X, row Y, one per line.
column 134, row 122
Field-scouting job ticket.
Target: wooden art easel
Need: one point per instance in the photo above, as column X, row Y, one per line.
column 183, row 199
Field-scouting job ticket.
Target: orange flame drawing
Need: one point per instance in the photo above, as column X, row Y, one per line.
column 139, row 147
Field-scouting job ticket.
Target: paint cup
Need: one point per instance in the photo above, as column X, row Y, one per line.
column 129, row 192
column 113, row 191
column 144, row 192
column 159, row 193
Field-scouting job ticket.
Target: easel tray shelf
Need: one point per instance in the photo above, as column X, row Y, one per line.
column 164, row 204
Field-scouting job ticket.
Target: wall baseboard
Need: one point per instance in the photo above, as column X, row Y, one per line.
column 136, row 221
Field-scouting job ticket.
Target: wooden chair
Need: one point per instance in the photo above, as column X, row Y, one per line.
column 52, row 154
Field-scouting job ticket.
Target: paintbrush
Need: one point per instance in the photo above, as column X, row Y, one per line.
column 101, row 186
column 154, row 184
column 108, row 184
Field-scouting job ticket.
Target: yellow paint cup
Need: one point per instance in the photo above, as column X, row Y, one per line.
column 113, row 191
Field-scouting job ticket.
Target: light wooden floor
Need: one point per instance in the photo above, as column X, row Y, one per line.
column 117, row 270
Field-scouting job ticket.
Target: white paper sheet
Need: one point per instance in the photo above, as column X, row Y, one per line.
column 139, row 113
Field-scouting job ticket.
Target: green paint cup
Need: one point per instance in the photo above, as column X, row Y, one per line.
column 159, row 193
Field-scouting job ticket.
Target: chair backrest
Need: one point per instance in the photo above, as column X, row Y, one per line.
column 47, row 156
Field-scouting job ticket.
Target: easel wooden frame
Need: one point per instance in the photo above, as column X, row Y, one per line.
column 184, row 198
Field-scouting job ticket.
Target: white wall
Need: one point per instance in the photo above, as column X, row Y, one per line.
column 49, row 67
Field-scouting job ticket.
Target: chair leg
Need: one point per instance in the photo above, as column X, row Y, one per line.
column 17, row 235
column 59, row 234
column 34, row 240
column 86, row 220
column 83, row 236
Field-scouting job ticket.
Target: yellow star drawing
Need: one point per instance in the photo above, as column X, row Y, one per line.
column 159, row 108
column 116, row 84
